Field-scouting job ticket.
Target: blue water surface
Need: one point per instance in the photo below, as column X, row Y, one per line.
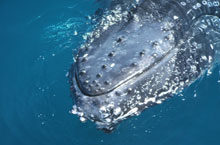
column 38, row 39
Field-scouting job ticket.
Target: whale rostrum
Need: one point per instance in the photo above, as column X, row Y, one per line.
column 141, row 53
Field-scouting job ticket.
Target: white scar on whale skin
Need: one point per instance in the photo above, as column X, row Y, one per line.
column 141, row 53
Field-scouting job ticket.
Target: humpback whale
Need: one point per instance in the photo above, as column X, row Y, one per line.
column 141, row 53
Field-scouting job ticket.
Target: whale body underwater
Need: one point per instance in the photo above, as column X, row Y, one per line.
column 141, row 53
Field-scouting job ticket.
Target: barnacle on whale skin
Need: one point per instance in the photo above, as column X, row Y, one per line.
column 141, row 53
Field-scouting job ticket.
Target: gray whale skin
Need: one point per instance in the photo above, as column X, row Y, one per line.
column 141, row 53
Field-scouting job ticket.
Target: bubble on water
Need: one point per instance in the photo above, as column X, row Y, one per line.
column 39, row 115
column 159, row 102
column 147, row 131
column 108, row 120
column 74, row 110
column 41, row 57
column 82, row 119
column 209, row 72
column 75, row 33
column 103, row 109
column 204, row 58
column 85, row 37
column 175, row 17
column 104, row 112
column 111, row 105
column 195, row 95
column 67, row 74
column 117, row 111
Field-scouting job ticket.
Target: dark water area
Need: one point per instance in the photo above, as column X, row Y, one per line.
column 37, row 41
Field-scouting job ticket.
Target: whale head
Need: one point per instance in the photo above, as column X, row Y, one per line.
column 134, row 59
column 109, row 71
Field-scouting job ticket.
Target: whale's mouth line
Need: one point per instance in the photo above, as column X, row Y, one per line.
column 126, row 80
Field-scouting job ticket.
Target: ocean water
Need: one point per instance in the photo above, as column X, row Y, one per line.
column 38, row 40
